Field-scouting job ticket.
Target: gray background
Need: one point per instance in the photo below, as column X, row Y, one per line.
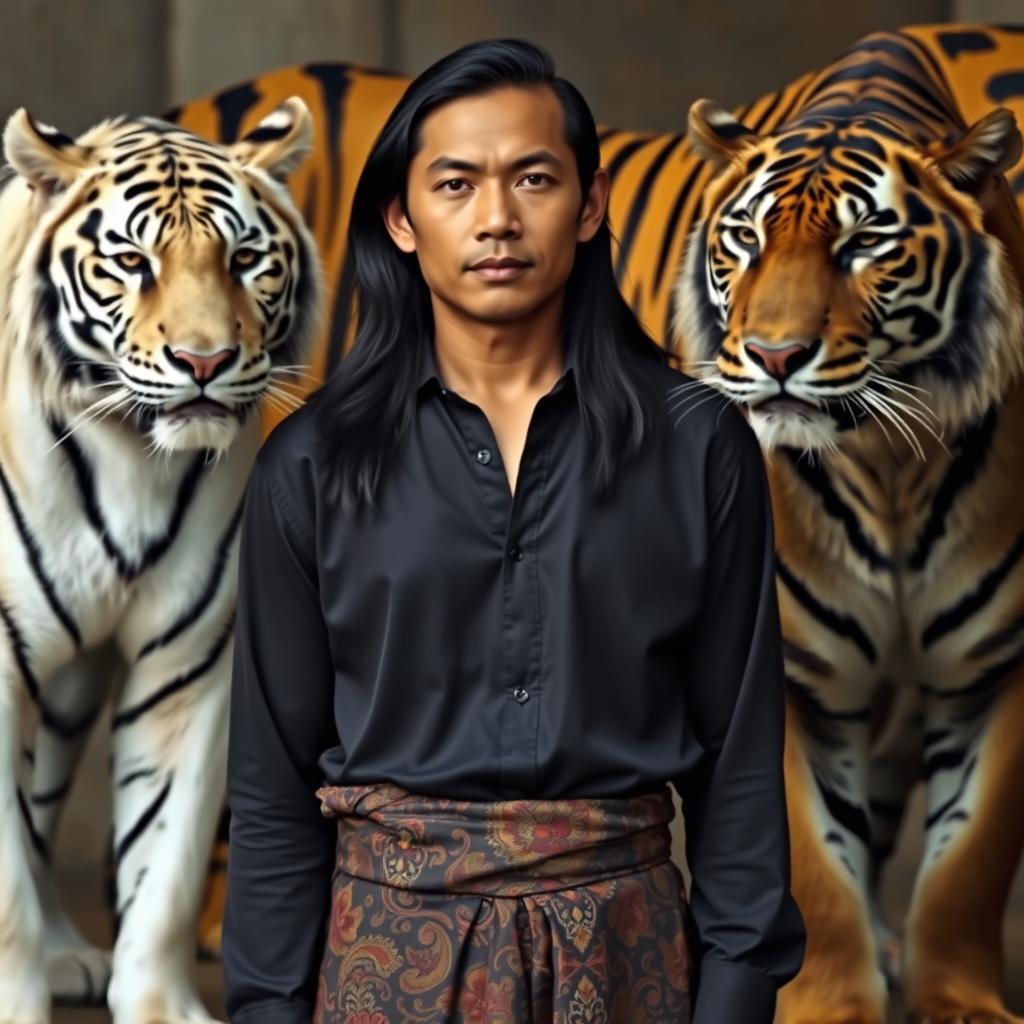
column 639, row 62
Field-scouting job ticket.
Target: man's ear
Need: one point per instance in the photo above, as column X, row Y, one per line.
column 716, row 135
column 595, row 207
column 396, row 220
column 280, row 142
column 45, row 157
column 970, row 158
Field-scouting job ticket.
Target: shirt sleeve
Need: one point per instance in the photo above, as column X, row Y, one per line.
column 280, row 855
column 751, row 934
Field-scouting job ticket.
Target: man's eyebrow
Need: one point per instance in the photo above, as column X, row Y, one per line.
column 451, row 163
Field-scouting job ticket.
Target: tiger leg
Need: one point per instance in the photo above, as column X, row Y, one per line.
column 826, row 796
column 169, row 765
column 24, row 998
column 78, row 972
column 974, row 763
column 894, row 769
column 215, row 893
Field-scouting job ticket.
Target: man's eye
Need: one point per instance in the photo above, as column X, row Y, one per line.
column 133, row 262
column 536, row 179
column 242, row 258
column 458, row 184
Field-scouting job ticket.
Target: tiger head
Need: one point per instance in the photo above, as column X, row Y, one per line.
column 844, row 274
column 162, row 281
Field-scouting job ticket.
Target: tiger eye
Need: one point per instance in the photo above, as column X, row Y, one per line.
column 129, row 260
column 244, row 257
column 746, row 236
column 867, row 239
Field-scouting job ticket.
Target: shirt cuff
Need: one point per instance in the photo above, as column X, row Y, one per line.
column 291, row 1012
column 729, row 992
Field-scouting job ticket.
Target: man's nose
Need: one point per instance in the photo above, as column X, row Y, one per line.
column 498, row 217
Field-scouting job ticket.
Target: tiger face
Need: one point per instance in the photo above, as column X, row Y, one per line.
column 169, row 280
column 844, row 275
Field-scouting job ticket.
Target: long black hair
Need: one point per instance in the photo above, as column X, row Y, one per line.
column 365, row 409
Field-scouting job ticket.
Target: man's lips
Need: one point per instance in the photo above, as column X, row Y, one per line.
column 499, row 269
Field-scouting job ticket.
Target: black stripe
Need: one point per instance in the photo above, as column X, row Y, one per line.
column 941, row 811
column 52, row 796
column 20, row 652
column 806, row 659
column 35, row 558
column 155, row 549
column 142, row 773
column 672, row 223
column 135, row 711
column 129, row 839
column 38, row 842
column 971, row 454
column 615, row 164
column 983, row 687
column 1008, row 85
column 267, row 133
column 968, row 605
column 64, row 728
column 334, row 81
column 842, row 625
column 638, row 206
column 1000, row 638
column 202, row 602
column 943, row 760
column 232, row 105
column 852, row 817
column 816, row 478
column 897, row 47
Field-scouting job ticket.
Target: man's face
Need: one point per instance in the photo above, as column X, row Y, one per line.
column 494, row 204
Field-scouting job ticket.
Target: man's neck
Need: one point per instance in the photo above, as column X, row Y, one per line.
column 498, row 363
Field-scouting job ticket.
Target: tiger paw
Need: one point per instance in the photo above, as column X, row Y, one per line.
column 79, row 977
column 168, row 1003
column 890, row 962
column 23, row 998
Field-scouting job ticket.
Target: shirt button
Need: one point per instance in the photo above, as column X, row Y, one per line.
column 483, row 456
column 516, row 554
column 521, row 695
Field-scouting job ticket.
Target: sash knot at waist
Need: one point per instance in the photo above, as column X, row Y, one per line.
column 509, row 848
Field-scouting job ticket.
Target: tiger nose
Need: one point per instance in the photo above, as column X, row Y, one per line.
column 780, row 362
column 203, row 366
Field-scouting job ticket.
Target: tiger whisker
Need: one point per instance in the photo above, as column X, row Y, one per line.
column 883, row 406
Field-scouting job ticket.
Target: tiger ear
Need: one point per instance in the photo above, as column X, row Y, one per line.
column 716, row 135
column 989, row 147
column 47, row 158
column 280, row 142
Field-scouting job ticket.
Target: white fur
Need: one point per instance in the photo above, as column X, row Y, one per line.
column 181, row 743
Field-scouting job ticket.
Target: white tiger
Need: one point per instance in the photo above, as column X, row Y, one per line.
column 153, row 286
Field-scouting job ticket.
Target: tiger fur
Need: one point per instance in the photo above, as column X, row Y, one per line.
column 155, row 287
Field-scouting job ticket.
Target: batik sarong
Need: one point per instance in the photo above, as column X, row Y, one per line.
column 509, row 912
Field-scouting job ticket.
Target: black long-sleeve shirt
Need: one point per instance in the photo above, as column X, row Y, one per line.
column 466, row 643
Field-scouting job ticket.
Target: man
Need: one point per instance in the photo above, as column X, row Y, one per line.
column 494, row 595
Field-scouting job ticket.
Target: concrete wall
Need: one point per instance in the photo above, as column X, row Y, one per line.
column 639, row 62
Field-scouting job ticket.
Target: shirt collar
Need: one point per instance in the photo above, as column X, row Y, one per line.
column 428, row 374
